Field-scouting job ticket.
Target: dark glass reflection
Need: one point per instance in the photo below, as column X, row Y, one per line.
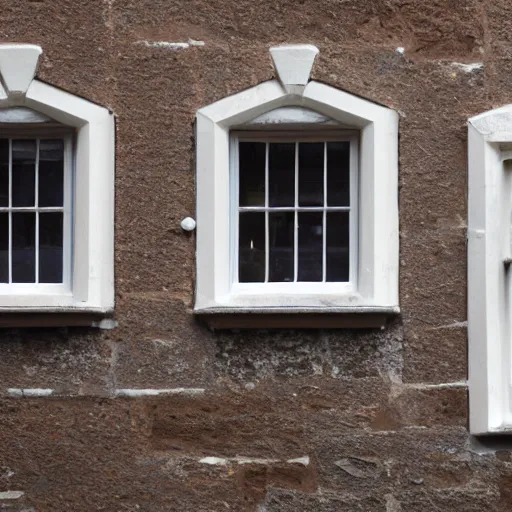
column 338, row 174
column 4, row 172
column 50, row 247
column 251, row 250
column 51, row 172
column 338, row 246
column 311, row 174
column 23, row 247
column 281, row 174
column 23, row 172
column 281, row 239
column 4, row 247
column 310, row 246
column 252, row 173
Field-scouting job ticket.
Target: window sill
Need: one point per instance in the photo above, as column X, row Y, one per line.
column 55, row 318
column 296, row 318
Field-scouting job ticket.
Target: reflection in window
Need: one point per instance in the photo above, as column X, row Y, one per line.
column 294, row 211
column 31, row 210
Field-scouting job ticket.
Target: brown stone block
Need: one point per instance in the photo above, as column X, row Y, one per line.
column 244, row 21
column 261, row 354
column 159, row 345
column 427, row 459
column 66, row 360
column 500, row 79
column 433, row 183
column 433, row 305
column 436, row 355
column 470, row 499
column 245, row 425
column 505, row 489
column 155, row 172
column 433, row 278
column 368, row 353
column 374, row 71
column 154, row 255
column 497, row 55
column 497, row 15
column 280, row 500
column 426, row 93
column 442, row 30
column 90, row 454
column 346, row 353
column 335, row 405
column 255, row 479
column 434, row 31
column 430, row 407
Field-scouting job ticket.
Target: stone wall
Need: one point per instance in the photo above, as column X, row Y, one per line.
column 310, row 420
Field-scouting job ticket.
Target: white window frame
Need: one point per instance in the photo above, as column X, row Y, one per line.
column 490, row 271
column 92, row 257
column 64, row 288
column 377, row 280
column 258, row 289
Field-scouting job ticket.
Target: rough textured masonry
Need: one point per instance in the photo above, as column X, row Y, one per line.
column 342, row 420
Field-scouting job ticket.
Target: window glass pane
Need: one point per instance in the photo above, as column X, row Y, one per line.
column 23, row 247
column 50, row 247
column 23, row 172
column 338, row 246
column 4, row 247
column 252, row 173
column 338, row 173
column 51, row 172
column 281, row 236
column 281, row 174
column 4, row 172
column 251, row 262
column 310, row 246
column 311, row 174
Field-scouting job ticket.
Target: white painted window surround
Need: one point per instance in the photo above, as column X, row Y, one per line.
column 266, row 106
column 26, row 100
column 490, row 271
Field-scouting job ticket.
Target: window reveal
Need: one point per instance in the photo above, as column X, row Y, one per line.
column 294, row 210
column 34, row 210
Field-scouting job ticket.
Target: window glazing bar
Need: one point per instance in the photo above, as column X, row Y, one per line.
column 9, row 209
column 32, row 209
column 267, row 237
column 296, row 220
column 36, row 202
column 324, row 220
column 291, row 208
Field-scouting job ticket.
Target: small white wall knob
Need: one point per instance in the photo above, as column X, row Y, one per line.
column 188, row 224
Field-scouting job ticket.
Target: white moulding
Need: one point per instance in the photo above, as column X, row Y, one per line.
column 92, row 287
column 378, row 231
column 489, row 272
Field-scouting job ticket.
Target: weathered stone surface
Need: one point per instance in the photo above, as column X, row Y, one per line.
column 66, row 360
column 158, row 344
column 279, row 500
column 76, row 41
column 358, row 403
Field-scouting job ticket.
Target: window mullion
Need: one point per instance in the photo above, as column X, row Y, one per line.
column 296, row 217
column 324, row 220
column 267, row 246
column 36, row 194
column 10, row 213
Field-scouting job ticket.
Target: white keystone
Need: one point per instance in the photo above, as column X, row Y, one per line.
column 18, row 64
column 293, row 64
